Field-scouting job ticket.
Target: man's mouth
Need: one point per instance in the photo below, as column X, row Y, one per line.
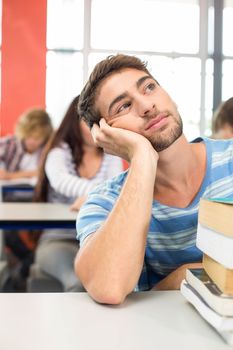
column 157, row 121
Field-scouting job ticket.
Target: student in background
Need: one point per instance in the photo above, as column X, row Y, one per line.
column 19, row 158
column 222, row 126
column 20, row 153
column 72, row 166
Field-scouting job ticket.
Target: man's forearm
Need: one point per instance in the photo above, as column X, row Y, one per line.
column 110, row 263
column 174, row 279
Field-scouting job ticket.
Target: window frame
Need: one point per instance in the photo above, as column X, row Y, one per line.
column 205, row 33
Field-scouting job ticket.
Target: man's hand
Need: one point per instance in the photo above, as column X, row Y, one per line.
column 174, row 279
column 119, row 142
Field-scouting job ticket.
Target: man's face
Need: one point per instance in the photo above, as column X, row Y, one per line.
column 133, row 100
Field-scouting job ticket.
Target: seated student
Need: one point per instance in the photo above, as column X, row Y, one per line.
column 73, row 165
column 20, row 156
column 138, row 230
column 222, row 126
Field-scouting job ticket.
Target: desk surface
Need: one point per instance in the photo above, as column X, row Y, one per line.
column 36, row 211
column 36, row 215
column 21, row 185
column 21, row 181
column 72, row 321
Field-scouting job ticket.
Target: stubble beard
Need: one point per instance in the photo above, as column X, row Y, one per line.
column 162, row 140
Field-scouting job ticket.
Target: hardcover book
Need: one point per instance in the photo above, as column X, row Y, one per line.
column 221, row 276
column 216, row 245
column 217, row 214
column 209, row 291
column 221, row 323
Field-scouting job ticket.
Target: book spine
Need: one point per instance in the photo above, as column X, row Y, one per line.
column 221, row 276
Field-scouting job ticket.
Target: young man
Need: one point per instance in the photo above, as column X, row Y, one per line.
column 138, row 230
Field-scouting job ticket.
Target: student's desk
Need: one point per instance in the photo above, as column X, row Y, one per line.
column 36, row 216
column 73, row 321
column 40, row 216
column 21, row 181
column 22, row 185
column 9, row 187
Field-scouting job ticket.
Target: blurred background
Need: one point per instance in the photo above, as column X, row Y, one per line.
column 48, row 48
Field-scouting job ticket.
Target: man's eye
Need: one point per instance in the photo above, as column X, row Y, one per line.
column 124, row 106
column 150, row 87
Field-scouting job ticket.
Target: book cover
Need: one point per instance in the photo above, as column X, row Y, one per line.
column 215, row 245
column 217, row 214
column 209, row 291
column 219, row 322
column 221, row 200
column 221, row 276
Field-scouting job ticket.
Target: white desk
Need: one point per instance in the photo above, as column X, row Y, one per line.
column 14, row 185
column 72, row 321
column 36, row 215
column 39, row 216
column 22, row 181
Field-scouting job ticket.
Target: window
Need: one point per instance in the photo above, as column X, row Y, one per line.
column 227, row 28
column 227, row 68
column 0, row 57
column 172, row 35
column 227, row 79
column 64, row 78
column 145, row 25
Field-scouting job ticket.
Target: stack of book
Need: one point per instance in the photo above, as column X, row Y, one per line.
column 210, row 289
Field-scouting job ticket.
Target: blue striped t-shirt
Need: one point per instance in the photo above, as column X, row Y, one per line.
column 172, row 232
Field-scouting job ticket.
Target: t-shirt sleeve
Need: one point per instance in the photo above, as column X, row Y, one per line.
column 95, row 211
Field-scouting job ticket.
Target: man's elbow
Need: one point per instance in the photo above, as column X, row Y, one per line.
column 103, row 293
column 107, row 295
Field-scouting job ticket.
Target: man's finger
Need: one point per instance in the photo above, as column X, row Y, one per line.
column 103, row 122
column 94, row 130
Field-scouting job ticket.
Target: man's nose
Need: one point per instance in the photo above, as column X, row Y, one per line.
column 146, row 107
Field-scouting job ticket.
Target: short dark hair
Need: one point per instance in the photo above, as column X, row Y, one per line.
column 112, row 64
column 223, row 115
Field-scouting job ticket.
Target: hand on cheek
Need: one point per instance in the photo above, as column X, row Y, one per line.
column 117, row 141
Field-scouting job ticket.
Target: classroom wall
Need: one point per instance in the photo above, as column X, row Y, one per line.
column 23, row 59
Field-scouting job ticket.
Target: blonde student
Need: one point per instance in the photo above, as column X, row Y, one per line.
column 20, row 153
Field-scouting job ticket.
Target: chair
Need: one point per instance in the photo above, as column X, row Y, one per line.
column 4, row 274
column 39, row 282
column 4, row 270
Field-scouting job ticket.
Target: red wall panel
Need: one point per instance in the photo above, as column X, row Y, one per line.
column 23, row 59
